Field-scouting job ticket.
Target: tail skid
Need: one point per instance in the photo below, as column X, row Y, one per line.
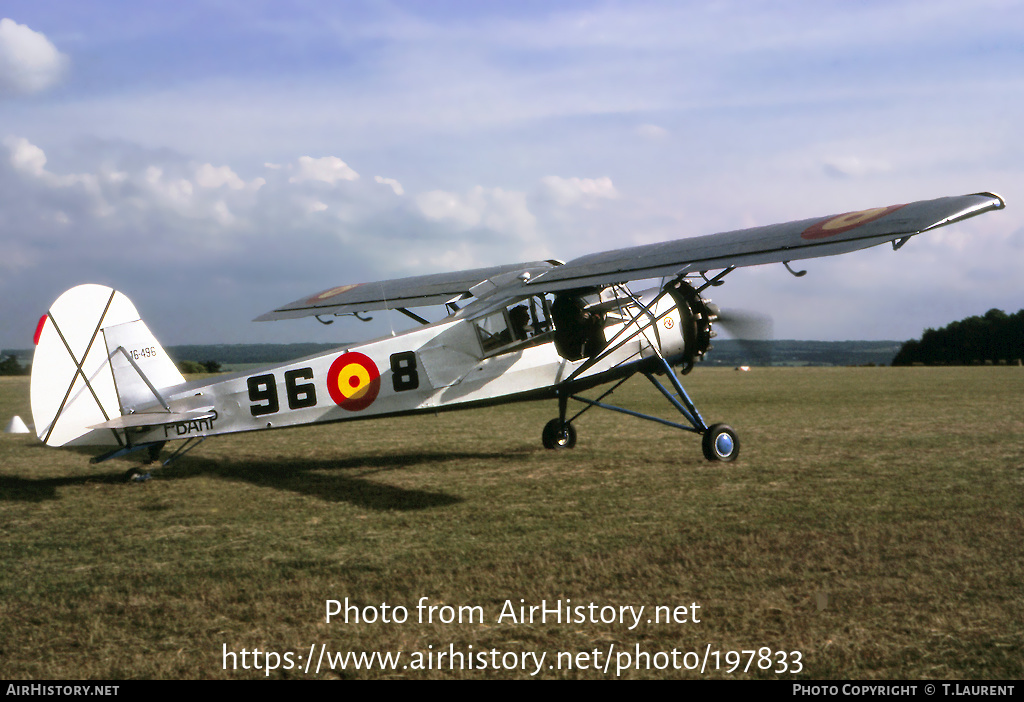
column 95, row 362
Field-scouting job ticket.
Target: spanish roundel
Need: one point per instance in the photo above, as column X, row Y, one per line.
column 846, row 222
column 353, row 381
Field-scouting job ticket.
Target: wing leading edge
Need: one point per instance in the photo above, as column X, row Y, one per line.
column 775, row 243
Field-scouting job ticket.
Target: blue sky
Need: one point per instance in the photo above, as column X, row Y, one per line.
column 214, row 160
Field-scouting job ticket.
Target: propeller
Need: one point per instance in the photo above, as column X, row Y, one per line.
column 752, row 330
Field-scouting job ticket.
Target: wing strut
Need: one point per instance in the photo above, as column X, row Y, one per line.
column 681, row 400
column 412, row 315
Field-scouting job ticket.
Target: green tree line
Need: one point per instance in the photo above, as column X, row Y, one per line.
column 995, row 337
column 9, row 366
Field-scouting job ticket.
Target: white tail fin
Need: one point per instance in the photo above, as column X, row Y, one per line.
column 95, row 360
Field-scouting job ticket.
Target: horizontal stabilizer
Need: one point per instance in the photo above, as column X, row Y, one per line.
column 156, row 419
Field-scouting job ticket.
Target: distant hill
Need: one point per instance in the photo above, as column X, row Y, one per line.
column 229, row 355
column 788, row 352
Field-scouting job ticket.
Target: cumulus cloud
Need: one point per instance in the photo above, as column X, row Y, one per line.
column 120, row 195
column 313, row 205
column 652, row 131
column 26, row 156
column 392, row 183
column 329, row 169
column 212, row 209
column 30, row 160
column 441, row 205
column 571, row 191
column 29, row 63
column 209, row 176
column 854, row 166
column 171, row 191
column 500, row 210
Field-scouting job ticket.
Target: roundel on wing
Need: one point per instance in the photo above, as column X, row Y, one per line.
column 353, row 381
column 846, row 222
column 332, row 292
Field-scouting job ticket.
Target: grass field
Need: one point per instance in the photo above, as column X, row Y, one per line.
column 872, row 523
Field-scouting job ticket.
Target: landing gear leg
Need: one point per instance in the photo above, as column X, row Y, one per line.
column 718, row 441
column 154, row 452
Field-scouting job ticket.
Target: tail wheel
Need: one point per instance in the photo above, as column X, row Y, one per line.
column 135, row 475
column 720, row 443
column 558, row 435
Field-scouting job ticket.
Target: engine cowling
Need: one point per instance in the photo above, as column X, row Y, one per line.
column 696, row 315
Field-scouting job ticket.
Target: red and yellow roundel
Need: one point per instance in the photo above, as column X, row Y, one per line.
column 353, row 381
column 332, row 292
column 846, row 222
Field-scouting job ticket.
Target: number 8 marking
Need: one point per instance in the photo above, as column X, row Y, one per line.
column 404, row 375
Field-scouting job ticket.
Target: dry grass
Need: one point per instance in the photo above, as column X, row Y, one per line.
column 873, row 523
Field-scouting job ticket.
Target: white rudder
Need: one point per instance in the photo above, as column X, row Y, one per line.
column 95, row 360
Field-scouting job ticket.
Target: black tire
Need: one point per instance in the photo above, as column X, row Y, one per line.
column 720, row 443
column 558, row 435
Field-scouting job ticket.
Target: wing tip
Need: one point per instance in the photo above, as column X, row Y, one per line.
column 1000, row 202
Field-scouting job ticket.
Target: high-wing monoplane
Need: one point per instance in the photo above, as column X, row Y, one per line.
column 526, row 331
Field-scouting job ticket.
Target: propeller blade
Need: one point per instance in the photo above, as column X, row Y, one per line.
column 753, row 331
column 746, row 325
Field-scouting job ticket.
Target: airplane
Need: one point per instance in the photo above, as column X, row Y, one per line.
column 526, row 331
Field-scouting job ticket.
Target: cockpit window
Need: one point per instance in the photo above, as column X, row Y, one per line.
column 493, row 331
column 518, row 324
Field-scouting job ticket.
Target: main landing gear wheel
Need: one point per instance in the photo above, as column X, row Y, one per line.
column 558, row 435
column 720, row 443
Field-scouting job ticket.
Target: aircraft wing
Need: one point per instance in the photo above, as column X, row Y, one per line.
column 775, row 243
column 808, row 238
column 417, row 291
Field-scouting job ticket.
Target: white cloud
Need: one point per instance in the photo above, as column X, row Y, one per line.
column 26, row 156
column 392, row 183
column 209, row 176
column 440, row 205
column 329, row 169
column 652, row 131
column 501, row 210
column 122, row 195
column 570, row 191
column 29, row 159
column 854, row 166
column 222, row 214
column 29, row 63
